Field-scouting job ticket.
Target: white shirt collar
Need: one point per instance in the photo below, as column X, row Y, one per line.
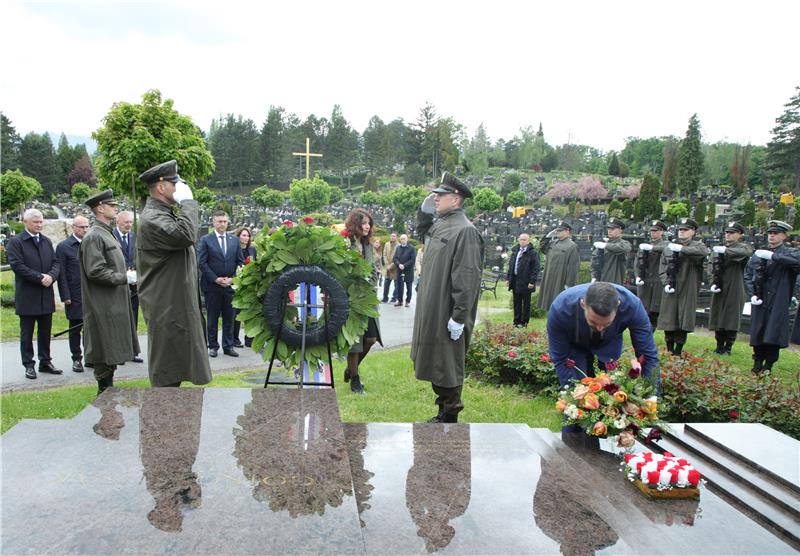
column 121, row 233
column 76, row 237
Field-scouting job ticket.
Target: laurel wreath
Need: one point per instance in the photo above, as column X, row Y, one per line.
column 289, row 246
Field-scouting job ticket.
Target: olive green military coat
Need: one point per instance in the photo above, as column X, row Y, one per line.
column 614, row 267
column 650, row 292
column 727, row 305
column 561, row 265
column 449, row 288
column 109, row 332
column 169, row 293
column 677, row 310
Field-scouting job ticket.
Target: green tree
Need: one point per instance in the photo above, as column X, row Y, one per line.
column 670, row 170
column 80, row 192
column 711, row 213
column 516, row 198
column 9, row 144
column 740, row 167
column 648, row 205
column 797, row 213
column 627, row 208
column 550, row 161
column 783, row 152
column 16, row 190
column 398, row 132
column 748, row 212
column 476, row 153
column 370, row 198
column 762, row 216
column 309, row 195
column 376, row 146
column 37, row 159
column 67, row 157
column 780, row 212
column 207, row 198
column 700, row 212
column 341, row 144
column 487, row 199
column 676, row 210
column 234, row 143
column 613, row 165
column 405, row 201
column 690, row 159
column 511, row 182
column 336, row 194
column 371, row 183
column 414, row 174
column 644, row 156
column 135, row 137
column 267, row 197
column 614, row 208
column 275, row 153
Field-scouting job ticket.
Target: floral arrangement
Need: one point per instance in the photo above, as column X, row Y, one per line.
column 660, row 472
column 303, row 243
column 615, row 403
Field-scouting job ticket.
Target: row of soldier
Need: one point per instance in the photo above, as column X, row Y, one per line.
column 669, row 275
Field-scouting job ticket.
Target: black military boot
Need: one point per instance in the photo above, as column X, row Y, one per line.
column 758, row 365
column 356, row 386
column 104, row 383
column 670, row 345
column 438, row 417
column 719, row 335
column 678, row 350
column 450, row 418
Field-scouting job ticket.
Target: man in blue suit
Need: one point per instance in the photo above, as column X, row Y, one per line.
column 69, row 287
column 218, row 256
column 586, row 322
column 124, row 233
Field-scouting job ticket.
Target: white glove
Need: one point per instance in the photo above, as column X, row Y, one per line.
column 675, row 247
column 593, row 280
column 646, row 246
column 455, row 329
column 599, row 244
column 639, row 281
column 714, row 289
column 182, row 192
column 131, row 275
column 756, row 301
column 669, row 289
column 428, row 205
column 764, row 254
column 720, row 249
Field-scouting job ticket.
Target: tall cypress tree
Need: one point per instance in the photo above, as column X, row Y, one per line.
column 648, row 205
column 783, row 152
column 690, row 159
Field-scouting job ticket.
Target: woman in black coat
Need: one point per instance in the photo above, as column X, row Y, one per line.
column 245, row 236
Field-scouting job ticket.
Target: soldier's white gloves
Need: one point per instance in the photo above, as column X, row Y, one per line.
column 639, row 281
column 593, row 280
column 646, row 246
column 714, row 289
column 599, row 244
column 669, row 289
column 455, row 329
column 131, row 275
column 764, row 254
column 182, row 192
column 675, row 247
column 719, row 249
column 428, row 205
column 756, row 301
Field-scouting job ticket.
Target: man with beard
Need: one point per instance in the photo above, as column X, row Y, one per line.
column 561, row 264
column 648, row 283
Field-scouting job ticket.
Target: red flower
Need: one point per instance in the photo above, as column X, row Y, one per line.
column 733, row 414
column 571, row 363
column 545, row 358
column 654, row 434
column 308, row 220
column 611, row 388
column 512, row 354
column 634, row 372
column 611, row 365
column 247, row 260
column 288, row 223
column 344, row 233
column 694, row 477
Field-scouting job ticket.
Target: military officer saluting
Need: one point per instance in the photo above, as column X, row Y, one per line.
column 561, row 264
column 109, row 333
column 610, row 258
column 770, row 280
column 648, row 283
column 727, row 287
column 681, row 271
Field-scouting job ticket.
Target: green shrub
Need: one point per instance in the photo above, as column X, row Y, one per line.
column 7, row 299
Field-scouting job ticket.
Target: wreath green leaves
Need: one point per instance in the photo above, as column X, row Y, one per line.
column 303, row 244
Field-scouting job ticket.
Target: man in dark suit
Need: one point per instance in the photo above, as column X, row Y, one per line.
column 127, row 238
column 523, row 269
column 404, row 258
column 218, row 256
column 69, row 287
column 33, row 260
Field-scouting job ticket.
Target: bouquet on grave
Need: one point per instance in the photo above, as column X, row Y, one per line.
column 617, row 402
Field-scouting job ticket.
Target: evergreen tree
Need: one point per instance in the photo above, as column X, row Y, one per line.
column 700, row 213
column 690, row 159
column 783, row 152
column 627, row 208
column 234, row 143
column 275, row 153
column 66, row 158
column 341, row 144
column 613, row 165
column 780, row 212
column 748, row 212
column 711, row 213
column 9, row 145
column 37, row 159
column 648, row 205
column 670, row 170
column 739, row 168
column 476, row 153
column 377, row 158
column 397, row 131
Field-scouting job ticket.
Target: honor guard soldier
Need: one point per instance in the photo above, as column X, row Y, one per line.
column 561, row 264
column 727, row 287
column 770, row 280
column 610, row 258
column 648, row 283
column 681, row 271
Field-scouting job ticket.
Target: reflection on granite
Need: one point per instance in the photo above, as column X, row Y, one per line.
column 292, row 450
column 439, row 483
column 169, row 432
column 356, row 435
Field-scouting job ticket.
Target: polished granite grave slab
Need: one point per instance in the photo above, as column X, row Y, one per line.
column 239, row 471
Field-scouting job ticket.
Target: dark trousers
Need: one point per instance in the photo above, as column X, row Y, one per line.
column 134, row 289
column 405, row 279
column 219, row 302
column 522, row 307
column 653, row 316
column 44, row 326
column 766, row 355
column 386, row 284
column 448, row 399
column 102, row 371
column 75, row 339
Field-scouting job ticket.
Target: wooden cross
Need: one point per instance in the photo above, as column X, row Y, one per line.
column 308, row 154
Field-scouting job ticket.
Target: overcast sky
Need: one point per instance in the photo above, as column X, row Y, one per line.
column 592, row 72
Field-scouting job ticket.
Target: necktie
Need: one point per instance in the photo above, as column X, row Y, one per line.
column 125, row 243
column 222, row 244
column 37, row 239
column 516, row 263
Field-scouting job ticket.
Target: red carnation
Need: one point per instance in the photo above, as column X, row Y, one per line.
column 545, row 358
column 344, row 233
column 571, row 363
column 611, row 365
column 654, row 434
column 669, row 455
column 288, row 223
column 247, row 260
column 694, row 477
column 611, row 388
column 652, row 477
column 733, row 414
column 634, row 372
column 308, row 220
column 512, row 354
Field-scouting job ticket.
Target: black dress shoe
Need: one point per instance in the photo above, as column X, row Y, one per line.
column 30, row 372
column 137, row 359
column 77, row 367
column 238, row 344
column 49, row 369
column 212, row 352
column 231, row 352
